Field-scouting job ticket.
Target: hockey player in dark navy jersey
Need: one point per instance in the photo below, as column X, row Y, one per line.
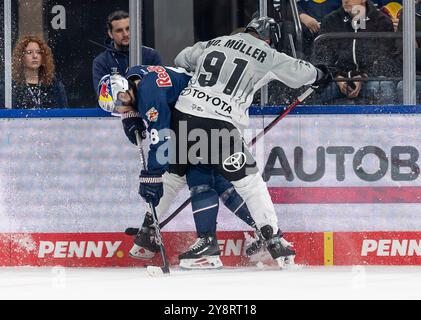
column 150, row 94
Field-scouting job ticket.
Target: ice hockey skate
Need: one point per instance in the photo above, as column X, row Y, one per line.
column 281, row 250
column 254, row 244
column 144, row 246
column 203, row 254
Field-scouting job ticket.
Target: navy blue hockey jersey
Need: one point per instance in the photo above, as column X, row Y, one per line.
column 157, row 95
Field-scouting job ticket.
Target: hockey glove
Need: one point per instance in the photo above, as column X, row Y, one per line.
column 151, row 187
column 324, row 78
column 132, row 122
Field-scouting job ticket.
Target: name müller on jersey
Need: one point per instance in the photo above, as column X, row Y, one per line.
column 228, row 72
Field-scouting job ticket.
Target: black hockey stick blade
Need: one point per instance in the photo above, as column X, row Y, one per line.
column 132, row 231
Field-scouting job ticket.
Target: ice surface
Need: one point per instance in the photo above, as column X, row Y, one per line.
column 251, row 284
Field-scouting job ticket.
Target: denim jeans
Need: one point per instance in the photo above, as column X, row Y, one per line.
column 372, row 92
column 400, row 90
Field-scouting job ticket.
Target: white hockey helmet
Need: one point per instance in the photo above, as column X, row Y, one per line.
column 108, row 89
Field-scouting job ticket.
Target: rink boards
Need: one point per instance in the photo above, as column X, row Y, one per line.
column 110, row 249
column 350, row 178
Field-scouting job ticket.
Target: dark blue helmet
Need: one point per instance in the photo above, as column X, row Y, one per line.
column 267, row 29
column 137, row 73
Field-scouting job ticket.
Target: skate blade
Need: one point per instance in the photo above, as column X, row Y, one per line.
column 253, row 251
column 252, row 244
column 131, row 231
column 290, row 260
column 141, row 253
column 157, row 272
column 291, row 265
column 286, row 262
column 204, row 263
column 281, row 263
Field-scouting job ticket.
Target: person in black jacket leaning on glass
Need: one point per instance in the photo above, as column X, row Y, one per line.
column 117, row 53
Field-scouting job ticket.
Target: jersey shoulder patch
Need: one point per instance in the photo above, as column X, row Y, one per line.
column 152, row 115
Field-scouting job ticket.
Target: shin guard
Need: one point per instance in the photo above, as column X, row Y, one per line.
column 205, row 204
column 237, row 205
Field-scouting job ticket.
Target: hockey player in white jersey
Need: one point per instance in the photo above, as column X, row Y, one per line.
column 227, row 73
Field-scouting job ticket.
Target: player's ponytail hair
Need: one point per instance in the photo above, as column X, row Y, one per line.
column 132, row 85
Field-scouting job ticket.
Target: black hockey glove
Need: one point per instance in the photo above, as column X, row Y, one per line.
column 151, row 187
column 324, row 78
column 132, row 122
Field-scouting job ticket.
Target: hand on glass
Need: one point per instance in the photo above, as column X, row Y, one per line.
column 312, row 24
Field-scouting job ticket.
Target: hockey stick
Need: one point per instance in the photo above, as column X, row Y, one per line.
column 154, row 271
column 300, row 99
column 287, row 110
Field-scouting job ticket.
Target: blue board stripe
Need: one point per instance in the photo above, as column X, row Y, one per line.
column 254, row 111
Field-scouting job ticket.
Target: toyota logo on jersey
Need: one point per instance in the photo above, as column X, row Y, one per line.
column 235, row 163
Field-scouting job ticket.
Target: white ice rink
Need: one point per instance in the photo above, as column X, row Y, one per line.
column 229, row 284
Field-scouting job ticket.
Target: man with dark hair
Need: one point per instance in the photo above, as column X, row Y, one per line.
column 117, row 53
column 358, row 59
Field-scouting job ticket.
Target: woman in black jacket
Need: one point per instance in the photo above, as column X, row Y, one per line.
column 34, row 82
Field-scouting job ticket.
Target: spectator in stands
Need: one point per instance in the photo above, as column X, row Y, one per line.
column 117, row 53
column 34, row 80
column 358, row 58
column 382, row 3
column 418, row 52
column 311, row 14
column 393, row 10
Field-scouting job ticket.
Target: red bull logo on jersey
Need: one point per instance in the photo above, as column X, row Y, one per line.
column 105, row 93
column 152, row 115
column 164, row 79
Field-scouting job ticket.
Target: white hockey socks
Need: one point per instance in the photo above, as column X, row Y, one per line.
column 256, row 195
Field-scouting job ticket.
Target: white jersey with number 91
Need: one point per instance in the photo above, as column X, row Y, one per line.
column 228, row 72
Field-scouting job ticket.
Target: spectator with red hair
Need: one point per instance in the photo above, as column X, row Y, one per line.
column 34, row 79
